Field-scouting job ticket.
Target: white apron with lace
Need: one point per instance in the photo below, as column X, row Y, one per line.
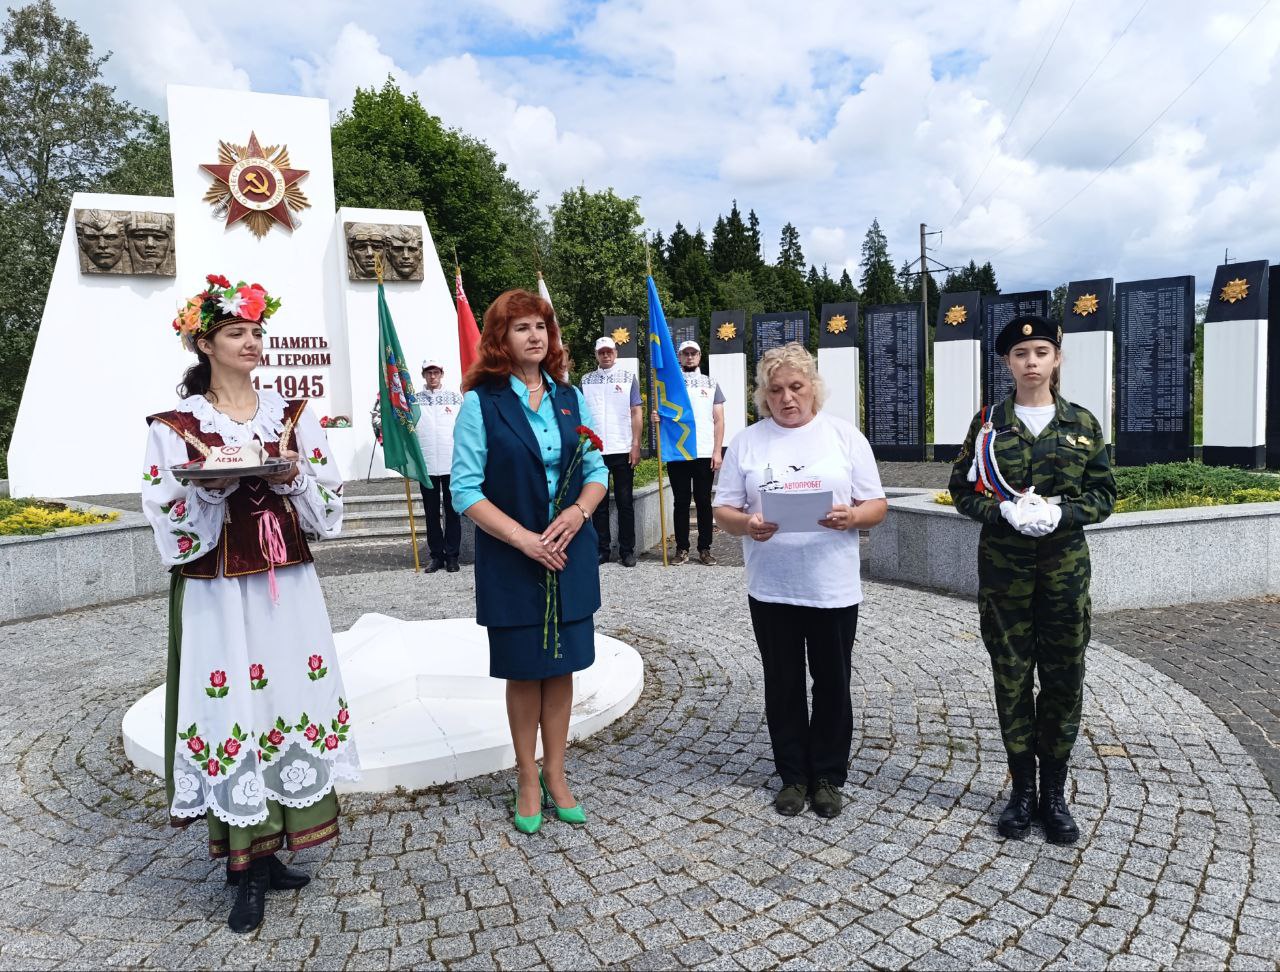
column 262, row 714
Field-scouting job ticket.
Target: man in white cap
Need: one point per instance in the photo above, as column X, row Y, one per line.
column 612, row 392
column 439, row 407
column 693, row 477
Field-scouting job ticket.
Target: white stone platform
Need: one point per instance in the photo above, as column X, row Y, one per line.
column 424, row 709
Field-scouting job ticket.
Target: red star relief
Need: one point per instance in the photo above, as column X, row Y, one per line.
column 253, row 183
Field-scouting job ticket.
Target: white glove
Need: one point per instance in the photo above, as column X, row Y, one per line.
column 1012, row 514
column 1045, row 523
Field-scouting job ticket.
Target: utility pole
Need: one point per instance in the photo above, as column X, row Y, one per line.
column 924, row 295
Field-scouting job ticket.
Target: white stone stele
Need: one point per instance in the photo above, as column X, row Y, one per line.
column 1235, row 383
column 1088, row 362
column 426, row 324
column 957, row 389
column 841, row 370
column 729, row 371
column 424, row 709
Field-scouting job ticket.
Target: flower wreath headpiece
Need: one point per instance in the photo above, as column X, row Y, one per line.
column 221, row 303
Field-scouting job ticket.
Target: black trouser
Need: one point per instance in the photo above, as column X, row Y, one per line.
column 619, row 466
column 807, row 748
column 442, row 545
column 691, row 476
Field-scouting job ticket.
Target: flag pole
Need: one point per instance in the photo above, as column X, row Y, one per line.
column 657, row 427
column 408, row 499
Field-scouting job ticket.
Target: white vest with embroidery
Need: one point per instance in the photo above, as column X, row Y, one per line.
column 702, row 396
column 608, row 395
column 435, row 427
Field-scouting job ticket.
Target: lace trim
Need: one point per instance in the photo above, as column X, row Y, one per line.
column 267, row 423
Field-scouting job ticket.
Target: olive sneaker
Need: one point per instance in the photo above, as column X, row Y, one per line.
column 826, row 799
column 790, row 799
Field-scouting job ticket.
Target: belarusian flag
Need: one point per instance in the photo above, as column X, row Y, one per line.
column 400, row 414
column 468, row 333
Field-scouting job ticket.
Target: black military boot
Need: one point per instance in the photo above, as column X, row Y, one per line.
column 1015, row 821
column 251, row 900
column 283, row 877
column 1055, row 816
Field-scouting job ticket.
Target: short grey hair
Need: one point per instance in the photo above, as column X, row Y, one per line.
column 793, row 355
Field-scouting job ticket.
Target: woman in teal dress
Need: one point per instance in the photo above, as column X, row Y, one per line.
column 525, row 476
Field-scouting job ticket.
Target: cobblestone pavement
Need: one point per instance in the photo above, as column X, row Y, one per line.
column 1227, row 654
column 683, row 863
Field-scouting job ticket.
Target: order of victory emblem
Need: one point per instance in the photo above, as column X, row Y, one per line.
column 837, row 324
column 1234, row 290
column 727, row 331
column 621, row 335
column 955, row 315
column 1085, row 305
column 255, row 184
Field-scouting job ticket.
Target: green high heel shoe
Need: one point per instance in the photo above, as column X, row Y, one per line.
column 569, row 815
column 526, row 825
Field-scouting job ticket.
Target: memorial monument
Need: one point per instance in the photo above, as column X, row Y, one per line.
column 1155, row 329
column 728, row 367
column 1235, row 366
column 957, row 371
column 774, row 330
column 1088, row 349
column 399, row 245
column 895, row 345
column 684, row 329
column 997, row 311
column 1273, row 368
column 839, row 361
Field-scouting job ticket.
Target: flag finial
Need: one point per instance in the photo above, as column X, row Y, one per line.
column 377, row 265
column 457, row 267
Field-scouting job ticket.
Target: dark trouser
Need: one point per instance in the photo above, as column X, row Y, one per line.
column 1035, row 611
column 619, row 466
column 692, row 476
column 442, row 545
column 805, row 748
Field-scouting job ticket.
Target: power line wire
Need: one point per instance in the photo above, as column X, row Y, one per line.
column 1014, row 116
column 1073, row 97
column 1119, row 155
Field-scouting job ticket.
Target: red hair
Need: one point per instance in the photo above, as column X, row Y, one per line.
column 493, row 358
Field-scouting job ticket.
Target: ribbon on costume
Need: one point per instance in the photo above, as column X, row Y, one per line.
column 271, row 543
column 984, row 472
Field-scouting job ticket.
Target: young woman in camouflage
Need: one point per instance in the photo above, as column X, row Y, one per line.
column 1034, row 471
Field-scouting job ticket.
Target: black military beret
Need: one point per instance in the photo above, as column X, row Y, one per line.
column 1028, row 327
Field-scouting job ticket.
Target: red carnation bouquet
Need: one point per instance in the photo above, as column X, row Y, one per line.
column 588, row 441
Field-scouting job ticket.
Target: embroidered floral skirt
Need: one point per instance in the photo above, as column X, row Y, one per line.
column 256, row 724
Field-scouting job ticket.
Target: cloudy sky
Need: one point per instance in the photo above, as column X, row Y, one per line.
column 994, row 122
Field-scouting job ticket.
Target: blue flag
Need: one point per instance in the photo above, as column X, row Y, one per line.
column 679, row 435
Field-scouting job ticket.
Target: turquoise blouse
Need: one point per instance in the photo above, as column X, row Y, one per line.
column 471, row 447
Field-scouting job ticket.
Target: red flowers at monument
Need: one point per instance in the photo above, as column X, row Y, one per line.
column 218, row 280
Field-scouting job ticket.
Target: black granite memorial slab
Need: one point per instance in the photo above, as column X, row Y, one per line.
column 728, row 332
column 770, row 331
column 958, row 316
column 1155, row 332
column 684, row 329
column 839, row 326
column 625, row 332
column 1088, row 306
column 894, row 345
column 1273, row 368
column 997, row 311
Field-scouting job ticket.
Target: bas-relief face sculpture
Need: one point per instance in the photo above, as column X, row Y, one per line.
column 122, row 242
column 401, row 247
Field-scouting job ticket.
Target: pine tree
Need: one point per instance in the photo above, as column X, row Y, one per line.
column 731, row 247
column 789, row 252
column 879, row 283
column 753, row 235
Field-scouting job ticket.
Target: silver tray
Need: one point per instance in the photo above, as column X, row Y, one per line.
column 195, row 472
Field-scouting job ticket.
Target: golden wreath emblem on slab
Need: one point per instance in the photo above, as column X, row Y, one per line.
column 727, row 331
column 1085, row 305
column 837, row 324
column 621, row 335
column 955, row 315
column 1234, row 290
column 255, row 184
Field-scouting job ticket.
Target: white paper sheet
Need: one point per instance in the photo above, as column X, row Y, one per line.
column 795, row 512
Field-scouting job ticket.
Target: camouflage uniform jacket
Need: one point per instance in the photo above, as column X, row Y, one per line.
column 1068, row 459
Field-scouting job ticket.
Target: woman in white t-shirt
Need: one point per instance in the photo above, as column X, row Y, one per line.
column 803, row 587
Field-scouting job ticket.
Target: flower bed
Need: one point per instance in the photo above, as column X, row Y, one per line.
column 30, row 518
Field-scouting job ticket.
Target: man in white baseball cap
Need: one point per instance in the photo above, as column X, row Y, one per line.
column 692, row 478
column 612, row 392
column 439, row 407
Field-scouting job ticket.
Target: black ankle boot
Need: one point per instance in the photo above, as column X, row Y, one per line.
column 1055, row 816
column 251, row 899
column 283, row 878
column 1015, row 821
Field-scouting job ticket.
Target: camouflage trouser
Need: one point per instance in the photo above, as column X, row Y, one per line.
column 1033, row 600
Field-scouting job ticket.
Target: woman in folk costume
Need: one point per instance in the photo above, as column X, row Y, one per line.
column 1034, row 471
column 256, row 723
